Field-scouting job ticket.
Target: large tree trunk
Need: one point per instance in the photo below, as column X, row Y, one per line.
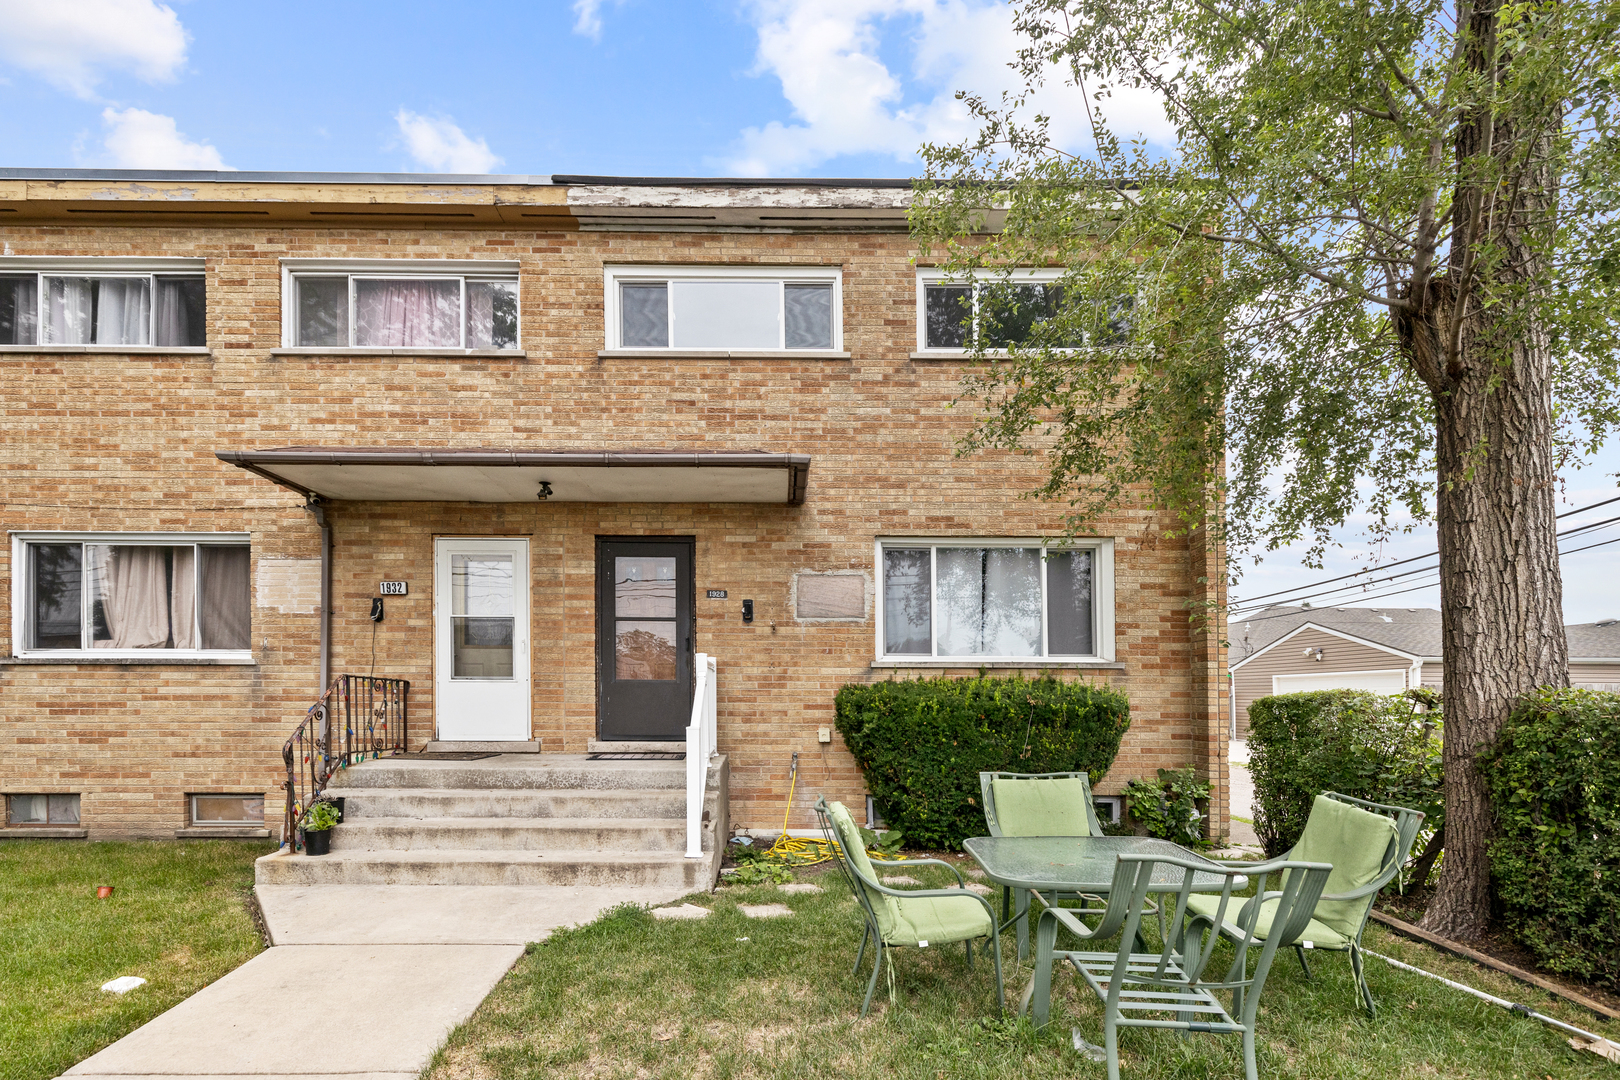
column 1501, row 596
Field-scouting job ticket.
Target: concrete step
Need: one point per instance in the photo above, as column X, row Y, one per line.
column 513, row 771
column 438, row 746
column 510, row 834
column 475, row 867
column 364, row 803
column 597, row 746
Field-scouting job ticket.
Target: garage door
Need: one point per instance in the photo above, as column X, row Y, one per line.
column 1392, row 681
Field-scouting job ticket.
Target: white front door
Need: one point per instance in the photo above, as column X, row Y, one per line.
column 481, row 640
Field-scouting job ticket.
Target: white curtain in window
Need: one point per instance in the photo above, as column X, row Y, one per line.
column 67, row 311
column 123, row 311
column 147, row 596
column 408, row 314
column 989, row 601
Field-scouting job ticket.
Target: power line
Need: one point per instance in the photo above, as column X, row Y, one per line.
column 1249, row 604
column 1398, row 592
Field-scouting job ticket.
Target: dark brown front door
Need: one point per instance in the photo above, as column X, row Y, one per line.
column 643, row 638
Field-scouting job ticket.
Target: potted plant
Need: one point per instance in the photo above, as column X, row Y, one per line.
column 317, row 826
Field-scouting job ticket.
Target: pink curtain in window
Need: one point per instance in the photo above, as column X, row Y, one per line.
column 408, row 314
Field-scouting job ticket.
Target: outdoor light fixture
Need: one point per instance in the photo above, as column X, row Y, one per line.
column 545, row 490
column 1314, row 654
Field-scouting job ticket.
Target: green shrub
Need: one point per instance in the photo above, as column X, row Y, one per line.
column 922, row 743
column 1357, row 743
column 1168, row 806
column 1554, row 779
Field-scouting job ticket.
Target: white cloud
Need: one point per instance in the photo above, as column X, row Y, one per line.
column 588, row 17
column 137, row 139
column 74, row 44
column 442, row 146
column 827, row 56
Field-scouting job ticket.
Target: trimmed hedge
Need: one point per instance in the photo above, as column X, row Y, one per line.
column 1354, row 742
column 922, row 743
column 1554, row 779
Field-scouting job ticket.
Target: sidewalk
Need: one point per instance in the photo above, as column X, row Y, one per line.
column 364, row 982
column 1242, row 796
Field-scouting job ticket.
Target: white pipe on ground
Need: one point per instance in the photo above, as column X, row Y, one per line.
column 1510, row 1006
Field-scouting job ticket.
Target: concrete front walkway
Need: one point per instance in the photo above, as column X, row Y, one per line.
column 365, row 981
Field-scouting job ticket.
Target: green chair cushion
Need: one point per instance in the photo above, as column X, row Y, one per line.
column 939, row 920
column 1319, row 935
column 849, row 838
column 1354, row 841
column 1043, row 807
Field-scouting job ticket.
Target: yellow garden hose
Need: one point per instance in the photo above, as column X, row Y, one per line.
column 804, row 851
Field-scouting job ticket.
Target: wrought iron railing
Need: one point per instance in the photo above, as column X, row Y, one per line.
column 357, row 719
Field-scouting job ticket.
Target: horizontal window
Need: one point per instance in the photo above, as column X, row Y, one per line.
column 227, row 810
column 723, row 308
column 111, row 596
column 42, row 809
column 995, row 599
column 1000, row 314
column 375, row 311
column 102, row 309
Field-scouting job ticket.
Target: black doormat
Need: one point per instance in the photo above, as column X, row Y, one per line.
column 448, row 755
column 637, row 756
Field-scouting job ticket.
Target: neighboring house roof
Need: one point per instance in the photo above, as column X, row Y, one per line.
column 1594, row 640
column 1413, row 632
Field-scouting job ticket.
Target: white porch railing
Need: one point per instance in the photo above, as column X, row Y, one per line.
column 700, row 747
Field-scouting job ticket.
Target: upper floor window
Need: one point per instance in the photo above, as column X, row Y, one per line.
column 399, row 304
column 995, row 600
column 103, row 302
column 743, row 308
column 952, row 315
column 116, row 594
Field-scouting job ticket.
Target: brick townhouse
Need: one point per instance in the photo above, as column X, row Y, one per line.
column 561, row 434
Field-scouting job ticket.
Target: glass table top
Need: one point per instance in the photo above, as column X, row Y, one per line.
column 1081, row 863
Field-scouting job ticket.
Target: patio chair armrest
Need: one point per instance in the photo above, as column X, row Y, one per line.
column 1362, row 893
column 923, row 862
column 1066, row 919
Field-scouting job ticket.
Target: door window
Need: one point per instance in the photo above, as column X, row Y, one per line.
column 644, row 634
column 482, row 615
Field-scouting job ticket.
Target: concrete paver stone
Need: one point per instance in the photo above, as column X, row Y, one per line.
column 898, row 879
column 684, row 911
column 765, row 911
column 799, row 888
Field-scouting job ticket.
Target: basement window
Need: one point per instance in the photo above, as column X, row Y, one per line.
column 102, row 303
column 226, row 810
column 745, row 309
column 114, row 595
column 42, row 810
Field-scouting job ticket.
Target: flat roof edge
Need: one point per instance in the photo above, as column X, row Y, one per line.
column 231, row 175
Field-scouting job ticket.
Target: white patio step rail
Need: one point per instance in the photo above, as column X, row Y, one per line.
column 701, row 746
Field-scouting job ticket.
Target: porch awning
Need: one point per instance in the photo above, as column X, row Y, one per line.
column 418, row 474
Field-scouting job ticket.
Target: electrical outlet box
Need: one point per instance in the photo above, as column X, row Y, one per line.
column 824, row 734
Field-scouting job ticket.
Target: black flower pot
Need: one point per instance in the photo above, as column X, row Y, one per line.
column 318, row 843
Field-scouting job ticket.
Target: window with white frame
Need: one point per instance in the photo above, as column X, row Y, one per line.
column 226, row 810
column 399, row 304
column 734, row 308
column 995, row 600
column 1001, row 312
column 109, row 302
column 119, row 594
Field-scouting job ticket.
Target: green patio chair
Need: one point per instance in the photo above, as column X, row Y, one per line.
column 1036, row 804
column 1367, row 844
column 910, row 917
column 1168, row 988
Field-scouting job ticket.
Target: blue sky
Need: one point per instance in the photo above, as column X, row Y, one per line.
column 633, row 87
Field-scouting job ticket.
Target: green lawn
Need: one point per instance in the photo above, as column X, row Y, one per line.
column 628, row 996
column 176, row 918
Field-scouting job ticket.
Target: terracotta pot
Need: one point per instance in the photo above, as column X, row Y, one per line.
column 103, row 891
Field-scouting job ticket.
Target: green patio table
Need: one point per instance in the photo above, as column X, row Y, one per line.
column 1075, row 864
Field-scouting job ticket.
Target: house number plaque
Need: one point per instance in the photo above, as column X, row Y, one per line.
column 717, row 594
column 391, row 588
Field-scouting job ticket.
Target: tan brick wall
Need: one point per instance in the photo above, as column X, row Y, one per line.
column 104, row 442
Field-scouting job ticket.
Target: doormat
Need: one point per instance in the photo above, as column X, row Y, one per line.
column 448, row 755
column 636, row 756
